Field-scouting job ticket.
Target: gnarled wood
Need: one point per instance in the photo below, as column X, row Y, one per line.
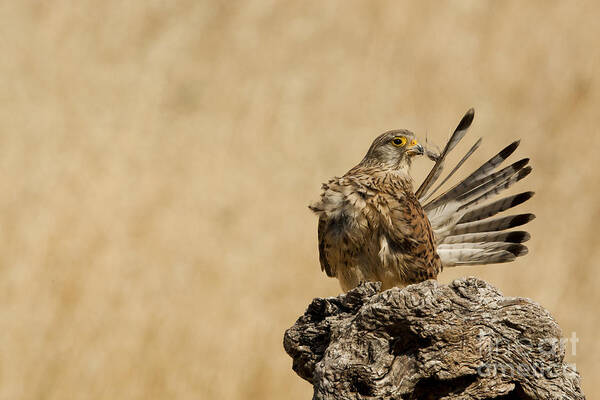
column 430, row 341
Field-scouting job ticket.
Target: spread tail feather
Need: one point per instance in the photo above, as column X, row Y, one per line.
column 479, row 176
column 456, row 137
column 461, row 219
column 480, row 253
column 484, row 237
column 489, row 210
column 497, row 224
column 460, row 163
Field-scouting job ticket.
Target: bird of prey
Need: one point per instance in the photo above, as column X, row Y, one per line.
column 374, row 227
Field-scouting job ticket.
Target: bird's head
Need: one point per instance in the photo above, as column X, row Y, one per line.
column 393, row 150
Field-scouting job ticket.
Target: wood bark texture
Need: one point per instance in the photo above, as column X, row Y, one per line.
column 464, row 340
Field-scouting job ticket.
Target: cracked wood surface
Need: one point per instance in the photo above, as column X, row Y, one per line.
column 430, row 341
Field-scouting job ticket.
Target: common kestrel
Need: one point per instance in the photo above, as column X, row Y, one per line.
column 374, row 227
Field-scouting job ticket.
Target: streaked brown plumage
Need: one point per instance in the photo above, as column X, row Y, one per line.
column 374, row 227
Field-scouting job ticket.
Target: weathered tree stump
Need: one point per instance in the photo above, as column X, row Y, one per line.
column 430, row 341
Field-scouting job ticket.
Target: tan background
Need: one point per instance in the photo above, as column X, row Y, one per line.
column 156, row 162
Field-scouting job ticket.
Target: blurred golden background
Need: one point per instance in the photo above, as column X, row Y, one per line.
column 157, row 161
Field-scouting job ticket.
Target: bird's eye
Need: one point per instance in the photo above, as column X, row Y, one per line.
column 399, row 141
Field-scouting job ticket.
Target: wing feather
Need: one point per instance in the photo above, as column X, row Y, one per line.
column 409, row 237
column 322, row 233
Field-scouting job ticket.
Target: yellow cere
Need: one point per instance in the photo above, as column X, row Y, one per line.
column 413, row 142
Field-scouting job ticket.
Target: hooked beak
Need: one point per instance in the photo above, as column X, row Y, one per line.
column 415, row 150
